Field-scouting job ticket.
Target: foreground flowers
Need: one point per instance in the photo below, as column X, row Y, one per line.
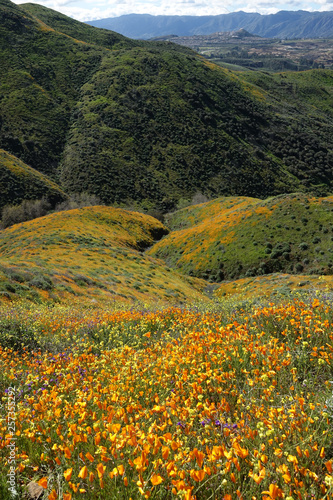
column 142, row 404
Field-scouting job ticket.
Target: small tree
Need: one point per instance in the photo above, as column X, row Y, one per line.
column 27, row 210
column 199, row 198
column 79, row 200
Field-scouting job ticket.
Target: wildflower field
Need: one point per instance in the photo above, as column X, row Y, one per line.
column 206, row 402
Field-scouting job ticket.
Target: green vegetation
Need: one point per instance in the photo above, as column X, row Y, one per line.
column 20, row 182
column 152, row 122
column 230, row 238
column 203, row 387
column 42, row 73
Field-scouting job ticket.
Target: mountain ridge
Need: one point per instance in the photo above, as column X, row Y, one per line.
column 283, row 24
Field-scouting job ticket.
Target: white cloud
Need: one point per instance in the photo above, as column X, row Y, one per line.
column 326, row 4
column 85, row 10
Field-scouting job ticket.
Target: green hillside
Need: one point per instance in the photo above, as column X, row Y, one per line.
column 42, row 73
column 75, row 29
column 311, row 91
column 229, row 238
column 20, row 182
column 152, row 122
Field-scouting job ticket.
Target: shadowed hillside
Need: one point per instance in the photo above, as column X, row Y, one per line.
column 20, row 182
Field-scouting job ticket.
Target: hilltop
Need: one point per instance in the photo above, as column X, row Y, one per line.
column 235, row 237
column 149, row 123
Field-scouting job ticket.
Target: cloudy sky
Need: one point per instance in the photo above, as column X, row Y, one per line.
column 86, row 10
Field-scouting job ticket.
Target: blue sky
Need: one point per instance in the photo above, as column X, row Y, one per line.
column 85, row 10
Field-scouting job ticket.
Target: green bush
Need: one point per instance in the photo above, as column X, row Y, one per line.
column 42, row 282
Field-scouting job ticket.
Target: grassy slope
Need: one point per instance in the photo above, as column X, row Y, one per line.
column 150, row 121
column 42, row 73
column 80, row 31
column 230, row 238
column 313, row 88
column 93, row 252
column 18, row 181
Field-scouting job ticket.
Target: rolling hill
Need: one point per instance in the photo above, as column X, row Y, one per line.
column 283, row 24
column 235, row 237
column 232, row 246
column 276, row 286
column 151, row 123
column 93, row 254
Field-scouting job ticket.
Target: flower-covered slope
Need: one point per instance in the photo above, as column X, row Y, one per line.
column 235, row 237
column 92, row 252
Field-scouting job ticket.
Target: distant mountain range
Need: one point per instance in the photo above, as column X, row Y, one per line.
column 284, row 24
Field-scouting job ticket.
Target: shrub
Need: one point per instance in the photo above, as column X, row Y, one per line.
column 27, row 210
column 281, row 249
column 82, row 280
column 79, row 200
column 14, row 335
column 183, row 203
column 42, row 282
column 199, row 198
